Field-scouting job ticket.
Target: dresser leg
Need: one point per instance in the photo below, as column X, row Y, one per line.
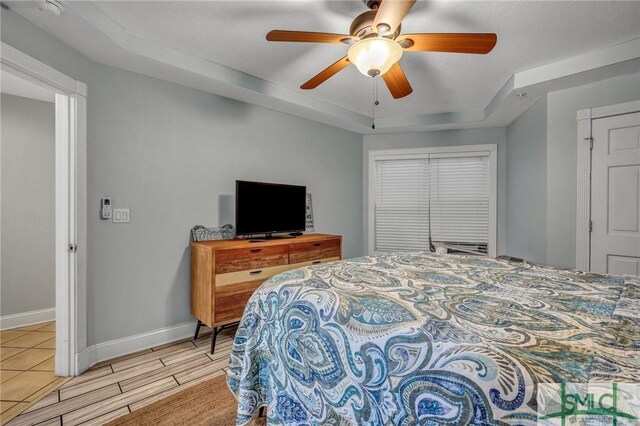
column 216, row 331
column 214, row 336
column 195, row 337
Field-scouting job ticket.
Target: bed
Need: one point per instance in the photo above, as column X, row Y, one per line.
column 422, row 338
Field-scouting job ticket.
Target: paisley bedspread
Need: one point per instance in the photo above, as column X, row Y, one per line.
column 420, row 338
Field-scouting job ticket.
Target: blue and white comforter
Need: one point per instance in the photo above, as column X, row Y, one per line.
column 421, row 338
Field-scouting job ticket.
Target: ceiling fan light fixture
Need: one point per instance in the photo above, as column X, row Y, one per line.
column 375, row 55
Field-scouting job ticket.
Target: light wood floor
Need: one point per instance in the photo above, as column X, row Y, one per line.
column 117, row 387
column 26, row 364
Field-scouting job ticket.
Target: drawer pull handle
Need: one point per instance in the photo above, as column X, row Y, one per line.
column 256, row 250
column 256, row 272
column 315, row 262
column 317, row 244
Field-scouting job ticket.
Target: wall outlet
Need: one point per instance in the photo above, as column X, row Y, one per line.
column 121, row 216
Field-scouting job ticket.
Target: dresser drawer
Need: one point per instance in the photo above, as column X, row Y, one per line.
column 231, row 300
column 251, row 275
column 304, row 252
column 314, row 262
column 242, row 259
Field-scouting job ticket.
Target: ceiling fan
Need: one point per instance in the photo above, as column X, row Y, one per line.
column 376, row 44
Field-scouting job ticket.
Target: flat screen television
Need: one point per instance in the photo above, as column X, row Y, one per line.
column 269, row 208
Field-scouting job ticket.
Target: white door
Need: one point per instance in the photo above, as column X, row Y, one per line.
column 615, row 195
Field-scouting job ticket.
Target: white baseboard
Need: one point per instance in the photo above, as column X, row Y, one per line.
column 85, row 359
column 115, row 348
column 27, row 318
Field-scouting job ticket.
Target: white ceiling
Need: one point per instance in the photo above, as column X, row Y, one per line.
column 529, row 34
column 12, row 85
column 217, row 38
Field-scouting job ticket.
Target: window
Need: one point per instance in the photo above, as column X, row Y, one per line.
column 448, row 192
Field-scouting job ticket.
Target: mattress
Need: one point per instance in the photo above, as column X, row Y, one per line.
column 422, row 338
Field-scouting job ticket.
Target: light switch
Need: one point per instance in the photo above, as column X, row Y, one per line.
column 121, row 216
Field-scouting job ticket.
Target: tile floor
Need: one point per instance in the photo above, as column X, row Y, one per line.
column 26, row 367
column 117, row 387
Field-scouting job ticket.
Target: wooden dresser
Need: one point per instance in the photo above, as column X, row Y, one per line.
column 225, row 273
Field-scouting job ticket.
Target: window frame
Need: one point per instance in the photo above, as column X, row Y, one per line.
column 489, row 150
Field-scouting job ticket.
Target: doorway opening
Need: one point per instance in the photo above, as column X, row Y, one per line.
column 27, row 205
column 61, row 324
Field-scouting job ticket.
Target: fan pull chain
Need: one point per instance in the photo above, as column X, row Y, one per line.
column 375, row 102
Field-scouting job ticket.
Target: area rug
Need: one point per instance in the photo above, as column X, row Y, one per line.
column 207, row 403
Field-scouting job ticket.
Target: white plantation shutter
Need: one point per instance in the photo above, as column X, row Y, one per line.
column 460, row 193
column 401, row 204
column 457, row 188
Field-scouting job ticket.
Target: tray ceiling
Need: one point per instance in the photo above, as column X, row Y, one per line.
column 232, row 34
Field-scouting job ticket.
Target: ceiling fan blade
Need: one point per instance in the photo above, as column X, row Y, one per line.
column 391, row 13
column 480, row 43
column 397, row 82
column 307, row 37
column 326, row 73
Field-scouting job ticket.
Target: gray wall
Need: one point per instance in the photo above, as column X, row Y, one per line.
column 168, row 153
column 526, row 212
column 442, row 138
column 562, row 156
column 27, row 199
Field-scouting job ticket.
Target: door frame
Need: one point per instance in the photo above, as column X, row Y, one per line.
column 70, row 201
column 585, row 117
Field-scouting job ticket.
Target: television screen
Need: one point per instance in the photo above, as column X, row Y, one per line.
column 265, row 208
